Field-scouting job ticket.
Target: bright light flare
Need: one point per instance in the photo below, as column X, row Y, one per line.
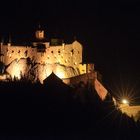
column 124, row 101
column 124, row 90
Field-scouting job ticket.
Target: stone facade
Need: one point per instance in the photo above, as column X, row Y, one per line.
column 67, row 54
column 54, row 57
column 131, row 111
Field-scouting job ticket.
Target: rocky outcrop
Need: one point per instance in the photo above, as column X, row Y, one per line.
column 37, row 71
column 18, row 68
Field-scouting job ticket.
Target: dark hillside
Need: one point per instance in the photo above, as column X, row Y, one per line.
column 55, row 109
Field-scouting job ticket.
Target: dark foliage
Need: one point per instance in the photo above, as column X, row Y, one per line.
column 28, row 109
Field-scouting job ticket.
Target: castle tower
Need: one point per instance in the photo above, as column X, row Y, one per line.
column 39, row 34
column 9, row 42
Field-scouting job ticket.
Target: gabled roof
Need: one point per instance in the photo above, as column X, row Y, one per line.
column 56, row 89
column 52, row 78
column 53, row 81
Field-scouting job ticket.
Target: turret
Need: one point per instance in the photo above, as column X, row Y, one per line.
column 39, row 34
column 10, row 40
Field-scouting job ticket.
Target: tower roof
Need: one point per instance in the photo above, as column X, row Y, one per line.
column 53, row 81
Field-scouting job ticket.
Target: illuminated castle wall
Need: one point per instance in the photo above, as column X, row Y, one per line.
column 54, row 55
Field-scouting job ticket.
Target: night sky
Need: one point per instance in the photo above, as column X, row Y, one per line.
column 109, row 31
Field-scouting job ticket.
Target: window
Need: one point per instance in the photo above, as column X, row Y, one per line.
column 10, row 55
column 72, row 52
column 26, row 53
column 59, row 52
column 66, row 61
column 51, row 51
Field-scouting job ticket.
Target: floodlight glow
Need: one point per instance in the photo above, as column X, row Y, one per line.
column 124, row 101
column 60, row 74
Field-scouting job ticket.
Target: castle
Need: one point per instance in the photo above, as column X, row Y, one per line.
column 65, row 60
column 39, row 59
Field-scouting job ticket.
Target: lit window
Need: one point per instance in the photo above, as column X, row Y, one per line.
column 66, row 60
column 42, row 54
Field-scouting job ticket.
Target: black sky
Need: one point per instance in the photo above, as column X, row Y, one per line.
column 109, row 30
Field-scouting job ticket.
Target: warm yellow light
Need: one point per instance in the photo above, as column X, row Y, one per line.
column 60, row 74
column 124, row 101
column 15, row 71
column 43, row 72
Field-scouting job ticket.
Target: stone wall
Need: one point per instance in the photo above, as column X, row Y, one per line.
column 84, row 78
column 68, row 55
column 65, row 60
column 131, row 111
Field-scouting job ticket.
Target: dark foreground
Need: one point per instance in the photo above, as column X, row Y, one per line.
column 56, row 111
